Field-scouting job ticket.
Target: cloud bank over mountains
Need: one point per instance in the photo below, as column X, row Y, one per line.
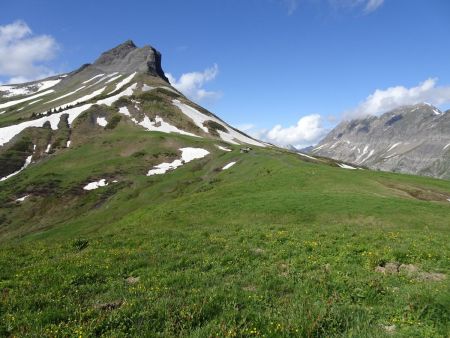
column 383, row 100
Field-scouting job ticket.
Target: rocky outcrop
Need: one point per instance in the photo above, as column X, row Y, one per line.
column 411, row 139
column 128, row 58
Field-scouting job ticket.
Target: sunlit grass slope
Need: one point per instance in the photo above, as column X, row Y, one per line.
column 277, row 245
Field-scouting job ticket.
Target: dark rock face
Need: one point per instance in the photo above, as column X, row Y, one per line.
column 115, row 54
column 127, row 58
column 411, row 139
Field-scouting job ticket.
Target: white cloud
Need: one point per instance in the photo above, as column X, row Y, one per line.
column 191, row 84
column 22, row 53
column 383, row 100
column 291, row 5
column 373, row 5
column 308, row 130
column 368, row 6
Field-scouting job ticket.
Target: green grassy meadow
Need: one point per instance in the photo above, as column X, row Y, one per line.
column 276, row 246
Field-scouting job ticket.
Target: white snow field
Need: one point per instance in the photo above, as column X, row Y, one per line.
column 7, row 133
column 346, row 166
column 125, row 81
column 223, row 148
column 21, row 199
column 110, row 100
column 147, row 88
column 83, row 98
column 93, row 78
column 95, row 185
column 101, row 121
column 187, row 155
column 229, row 165
column 393, row 146
column 68, row 94
column 199, row 118
column 33, row 102
column 160, row 125
column 124, row 111
column 15, row 90
column 305, row 155
column 29, row 98
column 103, row 79
column 27, row 163
column 114, row 78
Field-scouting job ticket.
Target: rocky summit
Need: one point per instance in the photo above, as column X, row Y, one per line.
column 127, row 58
column 411, row 139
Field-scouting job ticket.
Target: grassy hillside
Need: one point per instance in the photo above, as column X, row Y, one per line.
column 277, row 245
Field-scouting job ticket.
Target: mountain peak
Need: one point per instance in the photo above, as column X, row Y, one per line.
column 128, row 58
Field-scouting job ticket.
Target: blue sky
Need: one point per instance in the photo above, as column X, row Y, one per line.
column 286, row 70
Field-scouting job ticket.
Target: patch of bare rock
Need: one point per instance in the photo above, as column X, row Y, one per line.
column 410, row 270
column 132, row 280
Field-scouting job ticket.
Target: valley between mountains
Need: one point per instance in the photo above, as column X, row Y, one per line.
column 129, row 210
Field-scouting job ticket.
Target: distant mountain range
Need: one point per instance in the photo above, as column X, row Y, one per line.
column 411, row 139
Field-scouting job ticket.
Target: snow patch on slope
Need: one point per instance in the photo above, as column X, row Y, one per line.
column 147, row 88
column 104, row 78
column 110, row 100
column 33, row 102
column 229, row 165
column 187, row 155
column 345, row 166
column 68, row 94
column 193, row 114
column 48, row 84
column 367, row 157
column 125, row 81
column 393, row 146
column 21, row 199
column 83, row 98
column 223, row 148
column 114, row 78
column 7, row 133
column 160, row 125
column 92, row 78
column 124, row 111
column 26, row 164
column 305, row 155
column 29, row 98
column 101, row 121
column 319, row 147
column 10, row 91
column 96, row 184
column 199, row 118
